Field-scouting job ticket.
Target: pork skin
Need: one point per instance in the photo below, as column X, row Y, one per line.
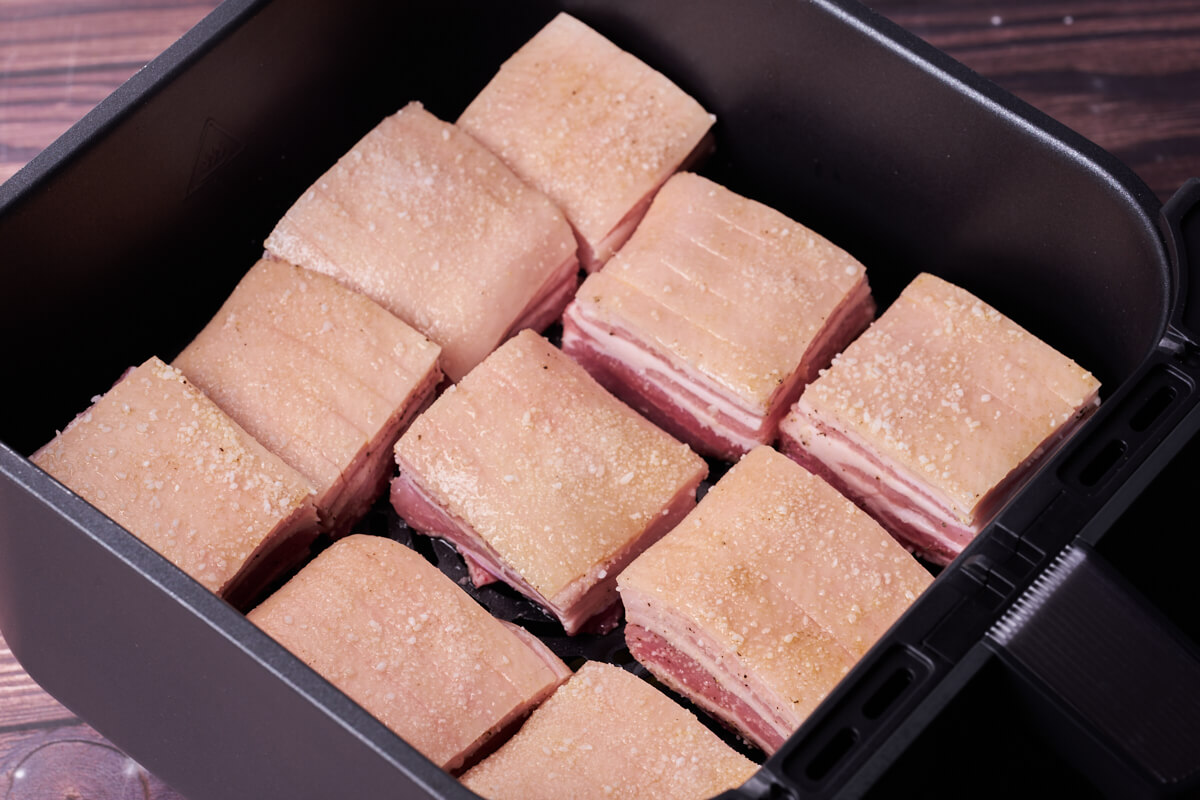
column 715, row 315
column 163, row 461
column 591, row 126
column 936, row 415
column 325, row 378
column 757, row 604
column 542, row 479
column 411, row 647
column 608, row 734
column 428, row 223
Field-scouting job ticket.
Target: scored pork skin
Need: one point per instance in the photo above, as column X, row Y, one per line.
column 428, row 223
column 542, row 478
column 936, row 414
column 163, row 461
column 608, row 734
column 325, row 378
column 403, row 641
column 759, row 602
column 590, row 125
column 716, row 314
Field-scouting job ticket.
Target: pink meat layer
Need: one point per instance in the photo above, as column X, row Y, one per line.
column 591, row 126
column 591, row 606
column 325, row 378
column 934, row 417
column 715, row 314
column 427, row 222
column 686, row 676
column 593, row 257
column 887, row 497
column 670, row 396
column 551, row 300
column 543, row 479
column 368, row 475
column 902, row 505
column 759, row 602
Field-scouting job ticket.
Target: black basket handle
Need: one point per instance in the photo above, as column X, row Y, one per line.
column 1088, row 483
column 1121, row 685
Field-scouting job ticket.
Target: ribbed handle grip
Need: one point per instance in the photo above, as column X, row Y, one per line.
column 1108, row 661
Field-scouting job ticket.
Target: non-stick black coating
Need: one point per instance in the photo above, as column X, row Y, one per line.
column 123, row 238
column 129, row 248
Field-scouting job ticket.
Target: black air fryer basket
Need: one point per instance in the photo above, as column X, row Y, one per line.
column 1062, row 645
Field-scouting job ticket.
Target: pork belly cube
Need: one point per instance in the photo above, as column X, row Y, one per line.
column 321, row 375
column 758, row 603
column 542, row 479
column 932, row 419
column 608, row 734
column 715, row 315
column 426, row 222
column 402, row 640
column 165, row 463
column 590, row 125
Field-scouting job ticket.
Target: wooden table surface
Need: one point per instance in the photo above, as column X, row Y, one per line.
column 1124, row 73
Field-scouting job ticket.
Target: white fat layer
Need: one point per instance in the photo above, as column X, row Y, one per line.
column 659, row 622
column 645, row 362
column 850, row 459
column 582, row 599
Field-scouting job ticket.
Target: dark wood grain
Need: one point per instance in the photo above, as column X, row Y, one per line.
column 22, row 702
column 59, row 58
column 1124, row 73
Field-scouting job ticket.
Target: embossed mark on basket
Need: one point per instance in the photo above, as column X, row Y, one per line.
column 217, row 148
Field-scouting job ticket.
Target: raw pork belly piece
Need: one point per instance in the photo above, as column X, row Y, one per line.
column 759, row 602
column 608, row 734
column 715, row 315
column 542, row 479
column 436, row 229
column 321, row 375
column 403, row 641
column 932, row 419
column 591, row 126
column 164, row 462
